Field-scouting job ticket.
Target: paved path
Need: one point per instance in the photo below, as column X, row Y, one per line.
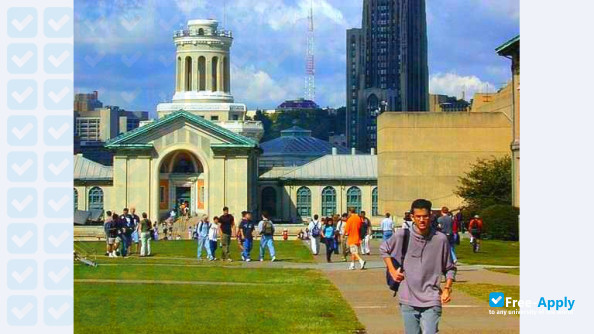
column 378, row 310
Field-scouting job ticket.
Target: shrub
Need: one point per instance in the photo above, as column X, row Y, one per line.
column 501, row 222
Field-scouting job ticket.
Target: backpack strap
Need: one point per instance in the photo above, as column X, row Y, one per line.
column 405, row 240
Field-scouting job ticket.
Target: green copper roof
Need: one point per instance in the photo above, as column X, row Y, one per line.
column 502, row 48
column 226, row 135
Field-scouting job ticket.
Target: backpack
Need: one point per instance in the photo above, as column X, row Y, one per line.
column 315, row 231
column 267, row 228
column 392, row 284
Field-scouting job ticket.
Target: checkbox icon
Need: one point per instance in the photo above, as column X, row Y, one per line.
column 58, row 310
column 21, row 310
column 58, row 131
column 58, row 22
column 58, row 58
column 57, row 166
column 22, row 94
column 58, row 94
column 21, row 274
column 22, row 22
column 21, row 202
column 21, row 58
column 21, row 238
column 58, row 238
column 58, row 202
column 496, row 299
column 21, row 130
column 21, row 166
column 58, row 275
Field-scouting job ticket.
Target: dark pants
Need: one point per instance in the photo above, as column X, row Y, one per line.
column 213, row 247
column 329, row 248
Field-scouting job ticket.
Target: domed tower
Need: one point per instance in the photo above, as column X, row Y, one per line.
column 203, row 78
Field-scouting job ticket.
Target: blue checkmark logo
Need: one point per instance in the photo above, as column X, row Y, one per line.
column 496, row 299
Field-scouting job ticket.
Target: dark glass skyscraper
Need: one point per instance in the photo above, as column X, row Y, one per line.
column 386, row 66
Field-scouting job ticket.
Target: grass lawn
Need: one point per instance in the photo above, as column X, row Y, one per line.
column 284, row 300
column 481, row 291
column 511, row 271
column 208, row 297
column 492, row 252
column 184, row 251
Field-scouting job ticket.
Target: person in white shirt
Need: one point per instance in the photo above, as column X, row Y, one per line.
column 387, row 226
column 315, row 228
column 213, row 233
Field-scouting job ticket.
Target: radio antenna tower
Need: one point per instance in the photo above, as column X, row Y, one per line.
column 310, row 66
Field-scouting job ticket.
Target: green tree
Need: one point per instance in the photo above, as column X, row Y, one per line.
column 487, row 183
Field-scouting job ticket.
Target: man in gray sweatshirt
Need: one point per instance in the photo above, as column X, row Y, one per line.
column 427, row 257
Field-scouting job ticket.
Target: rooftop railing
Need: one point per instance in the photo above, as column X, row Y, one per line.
column 195, row 33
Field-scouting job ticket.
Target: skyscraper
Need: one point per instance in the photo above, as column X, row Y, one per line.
column 386, row 66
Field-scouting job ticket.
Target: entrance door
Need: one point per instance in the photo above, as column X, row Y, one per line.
column 183, row 194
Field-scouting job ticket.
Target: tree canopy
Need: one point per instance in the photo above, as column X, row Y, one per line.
column 487, row 183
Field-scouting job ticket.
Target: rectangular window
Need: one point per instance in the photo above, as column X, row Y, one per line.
column 214, row 118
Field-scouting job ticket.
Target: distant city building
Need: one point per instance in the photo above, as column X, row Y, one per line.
column 203, row 79
column 297, row 105
column 295, row 147
column 87, row 102
column 386, row 66
column 338, row 140
column 444, row 103
column 92, row 128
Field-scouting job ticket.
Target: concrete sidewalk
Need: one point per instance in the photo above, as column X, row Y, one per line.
column 376, row 308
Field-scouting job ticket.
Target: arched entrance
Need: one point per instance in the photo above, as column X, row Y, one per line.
column 181, row 179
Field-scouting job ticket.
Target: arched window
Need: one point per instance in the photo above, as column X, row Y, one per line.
column 354, row 199
column 202, row 73
column 269, row 201
column 304, row 202
column 200, row 31
column 188, row 74
column 96, row 198
column 374, row 202
column 328, row 201
column 75, row 199
column 214, row 69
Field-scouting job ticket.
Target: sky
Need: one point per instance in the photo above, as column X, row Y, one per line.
column 124, row 48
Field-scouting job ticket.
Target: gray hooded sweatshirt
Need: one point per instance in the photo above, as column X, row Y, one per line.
column 427, row 258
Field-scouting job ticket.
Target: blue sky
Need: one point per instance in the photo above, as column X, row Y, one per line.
column 124, row 48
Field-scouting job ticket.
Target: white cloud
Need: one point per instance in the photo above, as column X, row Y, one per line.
column 258, row 89
column 452, row 84
column 188, row 6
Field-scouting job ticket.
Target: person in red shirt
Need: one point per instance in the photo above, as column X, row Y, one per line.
column 351, row 231
column 475, row 227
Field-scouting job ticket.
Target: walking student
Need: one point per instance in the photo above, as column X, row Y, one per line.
column 343, row 238
column 227, row 227
column 135, row 237
column 112, row 230
column 246, row 233
column 213, row 233
column 144, row 229
column 328, row 234
column 106, row 226
column 427, row 258
column 387, row 226
column 365, row 234
column 203, row 240
column 352, row 229
column 266, row 230
column 315, row 226
column 445, row 223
